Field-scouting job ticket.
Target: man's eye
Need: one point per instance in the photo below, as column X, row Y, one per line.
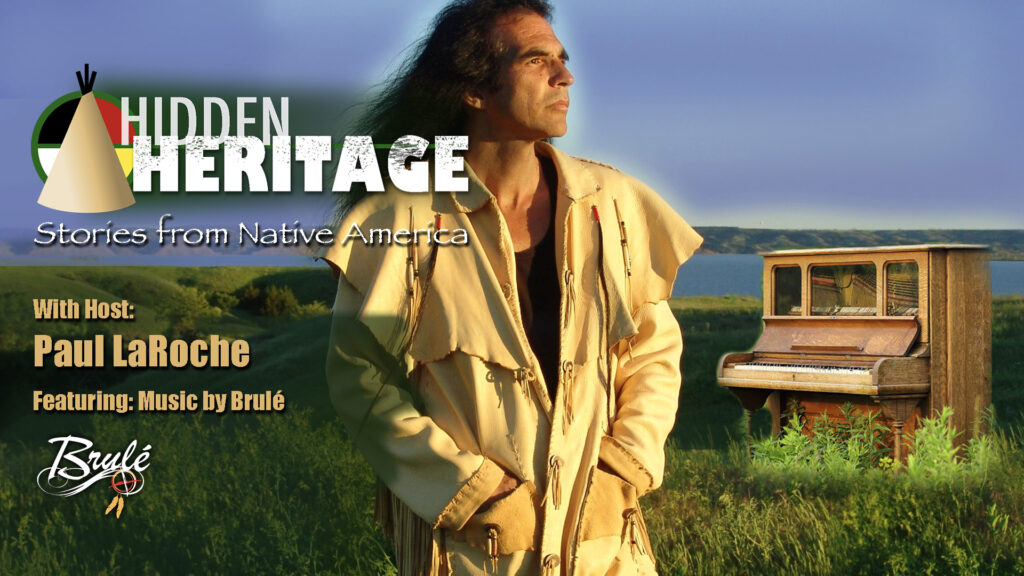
column 535, row 60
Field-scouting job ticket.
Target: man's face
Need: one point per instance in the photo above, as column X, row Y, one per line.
column 533, row 98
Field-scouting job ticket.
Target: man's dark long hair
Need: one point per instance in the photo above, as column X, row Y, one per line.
column 425, row 95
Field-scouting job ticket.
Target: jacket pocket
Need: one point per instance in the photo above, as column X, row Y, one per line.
column 509, row 525
column 607, row 502
column 613, row 537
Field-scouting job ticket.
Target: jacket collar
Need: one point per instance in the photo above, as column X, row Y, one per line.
column 575, row 181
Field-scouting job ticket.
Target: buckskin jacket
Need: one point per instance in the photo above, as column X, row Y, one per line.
column 430, row 369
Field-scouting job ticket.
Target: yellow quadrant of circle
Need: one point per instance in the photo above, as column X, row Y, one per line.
column 125, row 156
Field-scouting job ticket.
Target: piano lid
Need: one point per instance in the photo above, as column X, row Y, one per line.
column 882, row 336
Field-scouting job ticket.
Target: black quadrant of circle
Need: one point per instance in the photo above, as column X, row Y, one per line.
column 56, row 124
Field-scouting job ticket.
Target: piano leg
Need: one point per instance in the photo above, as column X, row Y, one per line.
column 898, row 428
column 752, row 400
column 899, row 409
column 774, row 405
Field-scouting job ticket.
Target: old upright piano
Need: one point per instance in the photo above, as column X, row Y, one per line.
column 904, row 329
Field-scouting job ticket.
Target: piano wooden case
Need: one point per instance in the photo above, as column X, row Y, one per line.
column 905, row 329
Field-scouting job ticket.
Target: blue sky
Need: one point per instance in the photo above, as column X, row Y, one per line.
column 782, row 114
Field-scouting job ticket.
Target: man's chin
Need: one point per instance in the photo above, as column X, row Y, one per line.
column 553, row 130
column 558, row 132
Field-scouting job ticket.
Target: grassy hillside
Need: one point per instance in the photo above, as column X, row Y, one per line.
column 1006, row 244
column 286, row 493
column 154, row 292
column 148, row 288
column 709, row 415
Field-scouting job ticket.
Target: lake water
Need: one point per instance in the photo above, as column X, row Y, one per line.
column 702, row 275
column 740, row 274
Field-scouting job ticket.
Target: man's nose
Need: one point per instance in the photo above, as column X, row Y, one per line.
column 562, row 76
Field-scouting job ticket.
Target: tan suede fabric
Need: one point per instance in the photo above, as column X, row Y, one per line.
column 608, row 500
column 514, row 516
column 438, row 387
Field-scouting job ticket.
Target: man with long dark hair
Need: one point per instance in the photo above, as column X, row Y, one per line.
column 514, row 394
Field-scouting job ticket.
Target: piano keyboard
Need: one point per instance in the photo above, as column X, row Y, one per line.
column 812, row 368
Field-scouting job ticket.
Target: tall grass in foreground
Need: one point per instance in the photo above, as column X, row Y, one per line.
column 273, row 495
column 718, row 514
column 857, row 442
column 278, row 494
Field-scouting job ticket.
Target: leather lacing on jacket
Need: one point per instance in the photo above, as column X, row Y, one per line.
column 422, row 550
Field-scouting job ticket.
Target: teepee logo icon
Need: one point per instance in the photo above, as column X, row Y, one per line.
column 81, row 154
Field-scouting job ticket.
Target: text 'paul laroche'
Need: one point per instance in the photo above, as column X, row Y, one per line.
column 244, row 154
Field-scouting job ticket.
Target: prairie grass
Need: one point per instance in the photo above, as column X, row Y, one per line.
column 287, row 493
column 275, row 495
column 717, row 514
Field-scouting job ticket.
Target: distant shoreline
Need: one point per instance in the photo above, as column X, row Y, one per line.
column 1005, row 244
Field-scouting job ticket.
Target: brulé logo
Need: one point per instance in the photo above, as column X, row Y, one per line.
column 73, row 471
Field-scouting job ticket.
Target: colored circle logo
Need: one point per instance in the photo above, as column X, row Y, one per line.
column 53, row 124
